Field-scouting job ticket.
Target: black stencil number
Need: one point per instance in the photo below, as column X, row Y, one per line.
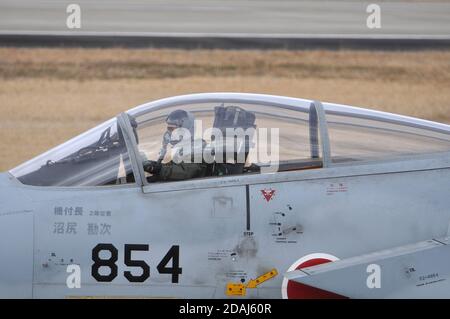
column 163, row 267
column 110, row 262
column 174, row 255
column 136, row 263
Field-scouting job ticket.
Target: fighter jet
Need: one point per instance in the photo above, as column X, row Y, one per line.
column 231, row 195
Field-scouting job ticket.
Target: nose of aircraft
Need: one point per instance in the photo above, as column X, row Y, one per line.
column 16, row 241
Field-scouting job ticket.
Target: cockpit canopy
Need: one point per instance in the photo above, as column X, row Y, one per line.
column 365, row 135
column 278, row 134
column 97, row 157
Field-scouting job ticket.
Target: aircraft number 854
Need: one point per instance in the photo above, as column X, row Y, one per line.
column 111, row 262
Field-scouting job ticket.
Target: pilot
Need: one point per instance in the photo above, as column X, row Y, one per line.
column 179, row 169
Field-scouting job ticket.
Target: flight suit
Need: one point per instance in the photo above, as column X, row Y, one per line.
column 175, row 172
column 180, row 169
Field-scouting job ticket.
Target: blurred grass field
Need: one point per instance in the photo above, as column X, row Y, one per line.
column 50, row 95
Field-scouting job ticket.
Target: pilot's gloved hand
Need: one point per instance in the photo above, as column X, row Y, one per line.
column 152, row 167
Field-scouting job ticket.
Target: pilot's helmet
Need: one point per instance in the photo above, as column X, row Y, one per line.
column 179, row 119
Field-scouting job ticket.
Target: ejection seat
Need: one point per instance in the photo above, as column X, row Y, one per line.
column 231, row 156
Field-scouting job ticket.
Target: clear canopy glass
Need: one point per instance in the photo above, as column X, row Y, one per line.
column 281, row 138
column 361, row 134
column 95, row 158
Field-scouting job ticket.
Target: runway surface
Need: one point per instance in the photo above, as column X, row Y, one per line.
column 208, row 21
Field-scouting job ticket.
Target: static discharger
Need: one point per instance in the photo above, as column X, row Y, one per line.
column 238, row 289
